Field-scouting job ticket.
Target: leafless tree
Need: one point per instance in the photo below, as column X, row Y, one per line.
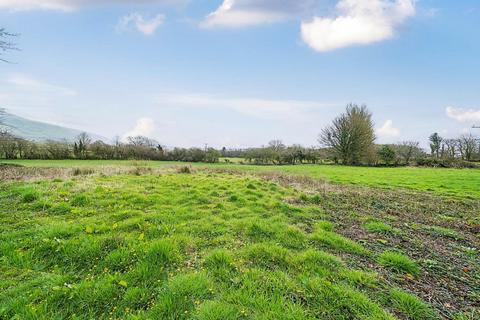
column 467, row 145
column 351, row 135
column 450, row 148
column 407, row 150
column 5, row 43
column 58, row 150
column 142, row 141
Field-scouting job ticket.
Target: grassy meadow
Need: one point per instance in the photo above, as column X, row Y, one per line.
column 163, row 242
column 448, row 182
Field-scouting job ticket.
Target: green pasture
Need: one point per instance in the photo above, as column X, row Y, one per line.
column 463, row 183
column 186, row 246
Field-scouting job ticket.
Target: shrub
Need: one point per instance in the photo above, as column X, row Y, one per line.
column 446, row 163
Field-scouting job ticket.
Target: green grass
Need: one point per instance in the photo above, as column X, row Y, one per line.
column 461, row 183
column 412, row 307
column 378, row 227
column 442, row 231
column 178, row 246
column 398, row 262
column 334, row 241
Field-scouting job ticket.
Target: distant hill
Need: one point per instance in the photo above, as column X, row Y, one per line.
column 40, row 131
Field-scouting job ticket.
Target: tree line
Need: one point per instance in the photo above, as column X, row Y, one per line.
column 349, row 140
column 135, row 148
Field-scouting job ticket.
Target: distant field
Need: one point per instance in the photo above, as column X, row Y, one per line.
column 463, row 183
column 453, row 182
column 231, row 160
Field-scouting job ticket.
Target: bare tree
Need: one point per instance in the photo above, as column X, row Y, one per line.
column 351, row 135
column 450, row 148
column 467, row 145
column 5, row 43
column 407, row 150
column 142, row 141
column 58, row 150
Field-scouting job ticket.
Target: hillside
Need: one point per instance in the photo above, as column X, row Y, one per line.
column 40, row 131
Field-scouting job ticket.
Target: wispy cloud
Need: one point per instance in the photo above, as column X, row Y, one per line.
column 32, row 85
column 255, row 107
column 463, row 115
column 147, row 26
column 41, row 100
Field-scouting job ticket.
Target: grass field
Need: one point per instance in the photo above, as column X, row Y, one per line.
column 449, row 182
column 157, row 243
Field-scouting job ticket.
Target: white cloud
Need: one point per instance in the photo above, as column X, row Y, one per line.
column 359, row 22
column 143, row 25
column 70, row 5
column 351, row 22
column 144, row 127
column 388, row 130
column 241, row 13
column 463, row 115
column 255, row 107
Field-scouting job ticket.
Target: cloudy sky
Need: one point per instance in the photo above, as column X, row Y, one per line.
column 242, row 72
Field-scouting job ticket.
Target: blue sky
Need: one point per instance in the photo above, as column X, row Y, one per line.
column 243, row 72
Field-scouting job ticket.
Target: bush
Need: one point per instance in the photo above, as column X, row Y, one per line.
column 446, row 163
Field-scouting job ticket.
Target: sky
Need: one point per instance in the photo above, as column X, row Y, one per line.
column 239, row 73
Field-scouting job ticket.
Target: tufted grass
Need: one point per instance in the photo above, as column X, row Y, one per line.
column 181, row 246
